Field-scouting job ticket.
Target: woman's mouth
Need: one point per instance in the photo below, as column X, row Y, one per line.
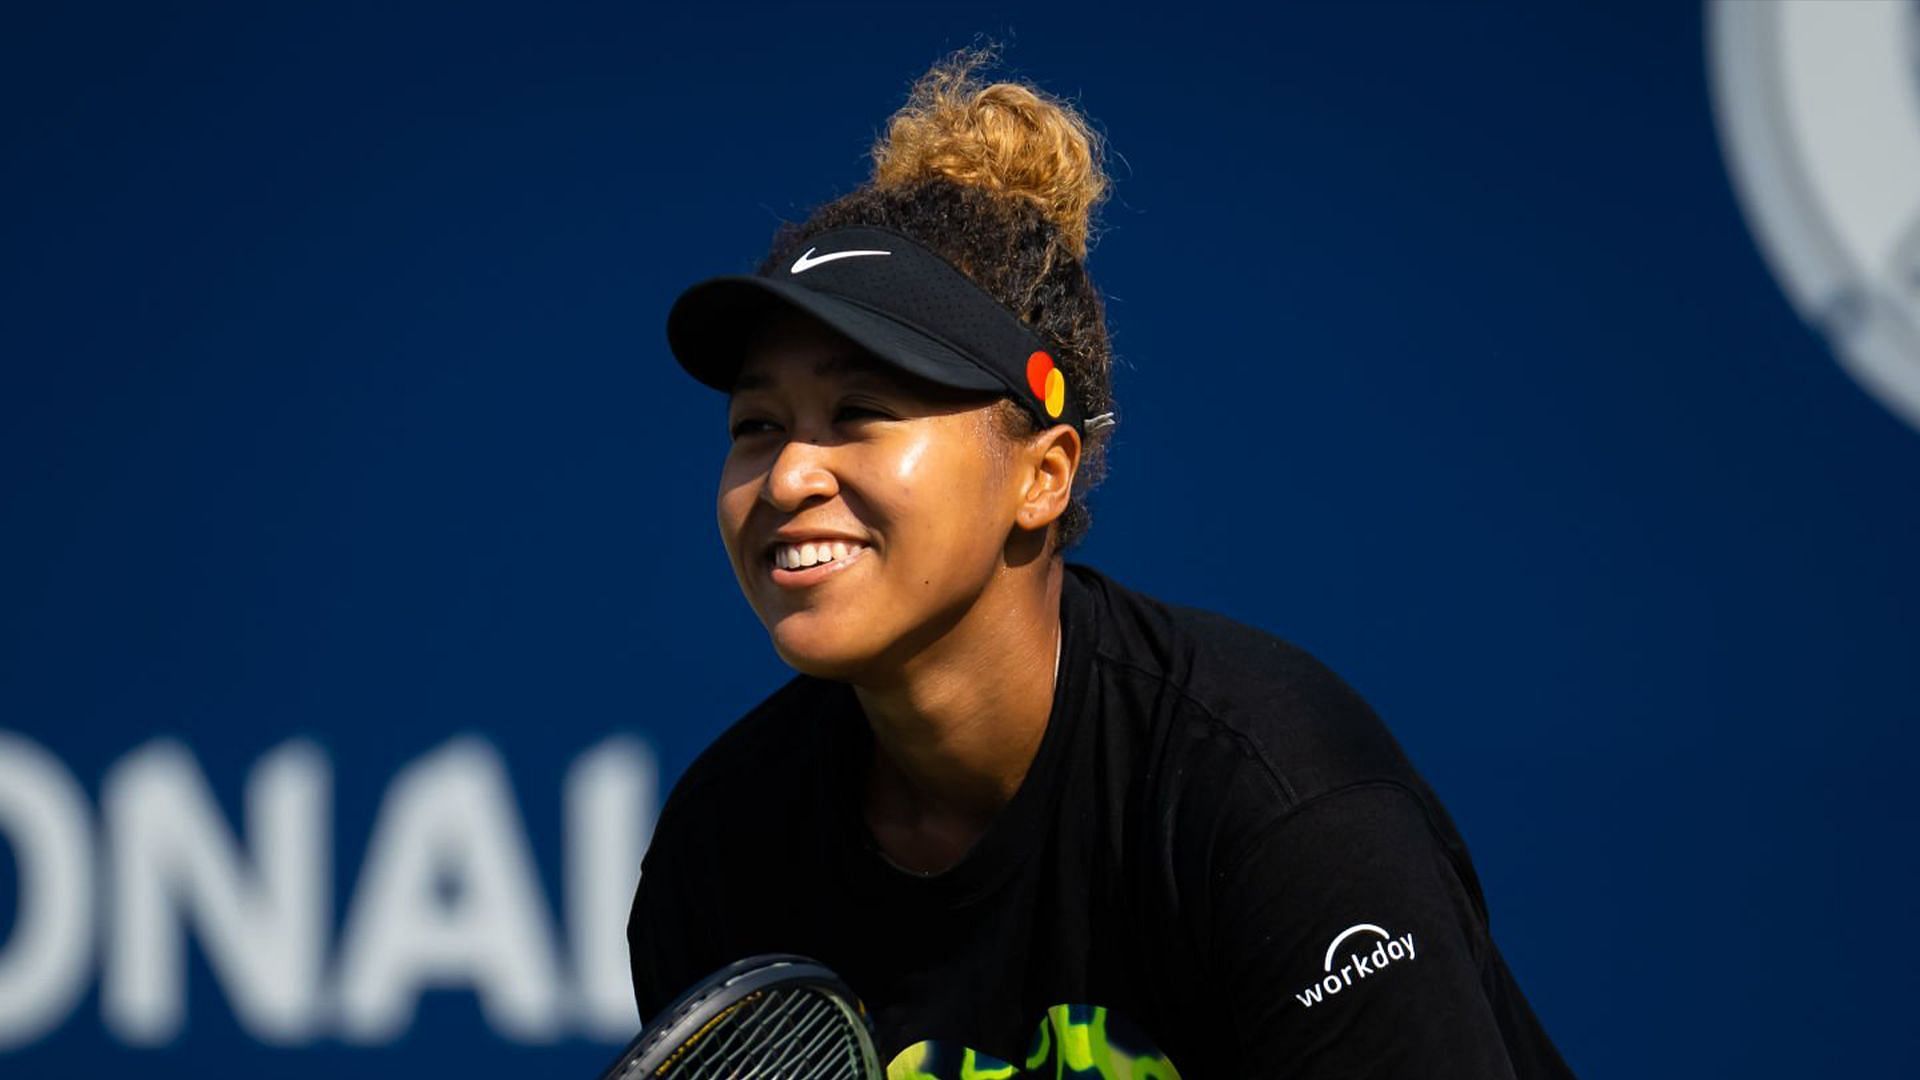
column 799, row 565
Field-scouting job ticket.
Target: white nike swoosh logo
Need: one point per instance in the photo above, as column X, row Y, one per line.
column 807, row 262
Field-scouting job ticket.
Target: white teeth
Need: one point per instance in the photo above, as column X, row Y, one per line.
column 798, row 556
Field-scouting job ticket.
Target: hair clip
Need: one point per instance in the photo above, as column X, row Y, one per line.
column 1104, row 420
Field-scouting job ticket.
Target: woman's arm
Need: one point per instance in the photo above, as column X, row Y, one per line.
column 667, row 929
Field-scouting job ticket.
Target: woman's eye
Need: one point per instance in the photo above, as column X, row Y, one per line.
column 754, row 425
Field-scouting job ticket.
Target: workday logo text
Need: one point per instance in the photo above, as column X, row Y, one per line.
column 1361, row 962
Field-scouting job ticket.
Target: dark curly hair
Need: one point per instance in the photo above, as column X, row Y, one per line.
column 1001, row 180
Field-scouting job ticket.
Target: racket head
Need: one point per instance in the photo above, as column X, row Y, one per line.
column 777, row 1015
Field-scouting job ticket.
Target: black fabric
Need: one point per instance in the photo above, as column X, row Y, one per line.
column 887, row 292
column 1209, row 810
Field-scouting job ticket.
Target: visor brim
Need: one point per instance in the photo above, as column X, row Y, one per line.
column 714, row 322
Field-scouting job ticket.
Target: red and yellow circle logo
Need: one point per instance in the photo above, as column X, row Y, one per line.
column 1046, row 382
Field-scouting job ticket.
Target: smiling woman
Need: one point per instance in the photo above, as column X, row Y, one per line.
column 1036, row 819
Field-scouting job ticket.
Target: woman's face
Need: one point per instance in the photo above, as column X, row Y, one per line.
column 900, row 486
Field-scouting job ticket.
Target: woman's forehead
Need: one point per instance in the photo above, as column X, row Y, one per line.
column 764, row 369
column 795, row 350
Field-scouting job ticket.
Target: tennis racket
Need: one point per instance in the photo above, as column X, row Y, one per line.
column 773, row 1017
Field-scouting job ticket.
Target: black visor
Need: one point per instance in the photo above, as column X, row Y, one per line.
column 893, row 297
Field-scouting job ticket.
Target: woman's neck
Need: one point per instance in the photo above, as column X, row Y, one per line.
column 956, row 733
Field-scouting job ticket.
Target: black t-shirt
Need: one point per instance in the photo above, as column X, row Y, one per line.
column 1219, row 858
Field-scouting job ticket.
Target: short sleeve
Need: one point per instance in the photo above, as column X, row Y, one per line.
column 1345, row 944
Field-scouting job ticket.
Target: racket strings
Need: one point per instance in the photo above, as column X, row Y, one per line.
column 792, row 1034
column 818, row 1041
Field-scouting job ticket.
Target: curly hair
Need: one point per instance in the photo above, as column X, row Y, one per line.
column 1002, row 181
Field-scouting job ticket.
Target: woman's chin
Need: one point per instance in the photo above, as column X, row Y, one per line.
column 818, row 655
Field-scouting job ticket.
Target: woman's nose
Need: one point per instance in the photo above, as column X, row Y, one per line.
column 800, row 472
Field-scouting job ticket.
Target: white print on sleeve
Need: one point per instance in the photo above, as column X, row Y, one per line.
column 1363, row 964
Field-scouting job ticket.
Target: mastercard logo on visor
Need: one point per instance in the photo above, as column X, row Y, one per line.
column 1046, row 382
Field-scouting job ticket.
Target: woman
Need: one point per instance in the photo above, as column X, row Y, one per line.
column 1026, row 812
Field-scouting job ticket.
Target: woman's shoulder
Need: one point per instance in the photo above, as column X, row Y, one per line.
column 1244, row 693
column 1243, row 732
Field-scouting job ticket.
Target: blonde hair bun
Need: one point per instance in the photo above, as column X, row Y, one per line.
column 1007, row 137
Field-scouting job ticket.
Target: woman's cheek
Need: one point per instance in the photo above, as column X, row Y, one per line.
column 728, row 521
column 735, row 500
column 909, row 463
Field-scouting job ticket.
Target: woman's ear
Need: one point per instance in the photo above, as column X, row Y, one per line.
column 1046, row 464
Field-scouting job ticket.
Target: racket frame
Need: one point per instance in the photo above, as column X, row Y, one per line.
column 687, row 1016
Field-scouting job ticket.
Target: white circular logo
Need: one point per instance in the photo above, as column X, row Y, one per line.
column 1818, row 107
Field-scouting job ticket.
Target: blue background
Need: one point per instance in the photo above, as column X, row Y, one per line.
column 334, row 401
